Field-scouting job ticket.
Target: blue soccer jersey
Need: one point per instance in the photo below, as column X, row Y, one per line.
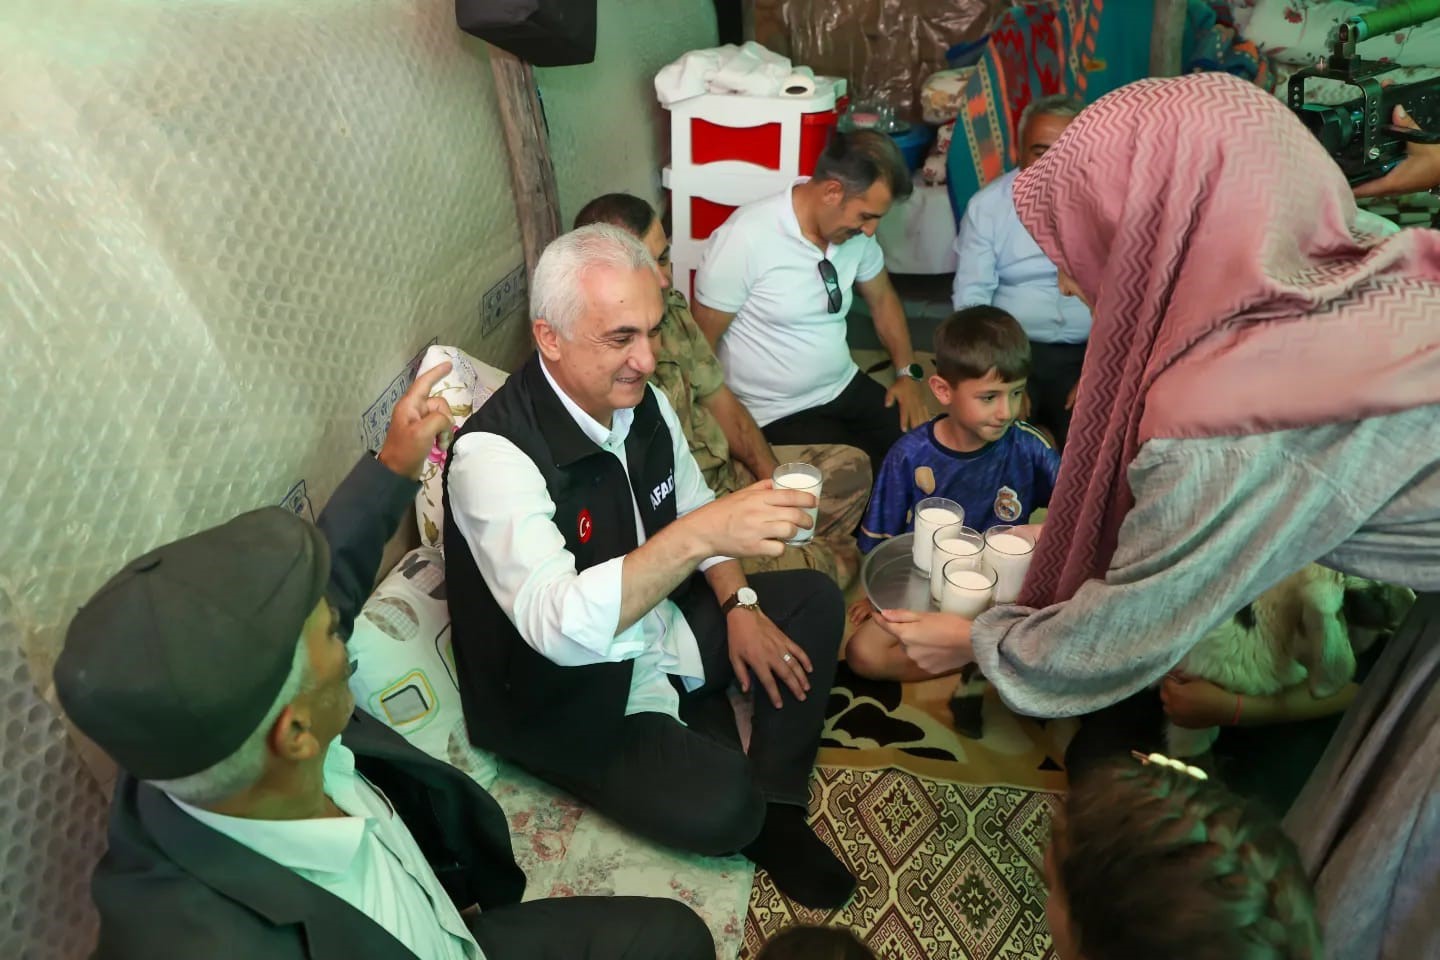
column 1002, row 482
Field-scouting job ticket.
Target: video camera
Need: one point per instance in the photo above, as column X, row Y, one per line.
column 1360, row 134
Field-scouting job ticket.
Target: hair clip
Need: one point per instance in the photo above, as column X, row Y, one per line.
column 1160, row 760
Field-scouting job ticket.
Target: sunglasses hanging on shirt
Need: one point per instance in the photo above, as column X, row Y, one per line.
column 832, row 285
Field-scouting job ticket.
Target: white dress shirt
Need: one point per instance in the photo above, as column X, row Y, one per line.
column 1001, row 265
column 785, row 351
column 503, row 510
column 368, row 859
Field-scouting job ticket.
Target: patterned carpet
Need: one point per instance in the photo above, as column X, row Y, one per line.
column 945, row 834
column 947, row 871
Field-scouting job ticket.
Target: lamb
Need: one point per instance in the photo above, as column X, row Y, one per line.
column 1299, row 631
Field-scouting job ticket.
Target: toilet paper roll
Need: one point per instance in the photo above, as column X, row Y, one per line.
column 800, row 83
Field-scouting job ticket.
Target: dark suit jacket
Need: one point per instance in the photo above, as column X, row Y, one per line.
column 169, row 886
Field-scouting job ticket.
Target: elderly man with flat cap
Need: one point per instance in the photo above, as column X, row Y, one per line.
column 258, row 813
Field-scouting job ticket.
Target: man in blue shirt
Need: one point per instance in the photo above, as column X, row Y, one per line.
column 1001, row 266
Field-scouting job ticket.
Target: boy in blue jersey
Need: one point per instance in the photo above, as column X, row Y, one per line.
column 999, row 468
column 978, row 453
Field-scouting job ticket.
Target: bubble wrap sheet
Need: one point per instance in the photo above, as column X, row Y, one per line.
column 51, row 820
column 226, row 229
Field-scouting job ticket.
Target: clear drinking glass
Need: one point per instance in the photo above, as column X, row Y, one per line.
column 1009, row 551
column 807, row 479
column 969, row 591
column 931, row 514
column 954, row 541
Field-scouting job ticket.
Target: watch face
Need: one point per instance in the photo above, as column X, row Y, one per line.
column 914, row 371
column 747, row 597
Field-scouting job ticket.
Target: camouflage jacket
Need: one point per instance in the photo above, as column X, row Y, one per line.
column 687, row 372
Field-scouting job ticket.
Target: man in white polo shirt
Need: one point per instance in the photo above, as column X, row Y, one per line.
column 776, row 284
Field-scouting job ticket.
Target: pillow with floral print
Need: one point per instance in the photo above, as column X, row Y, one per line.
column 1300, row 32
column 403, row 668
column 466, row 387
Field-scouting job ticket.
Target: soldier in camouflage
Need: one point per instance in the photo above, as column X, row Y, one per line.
column 724, row 439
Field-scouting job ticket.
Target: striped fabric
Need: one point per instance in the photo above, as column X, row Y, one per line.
column 1231, row 292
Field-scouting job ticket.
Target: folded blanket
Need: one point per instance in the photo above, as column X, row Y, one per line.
column 748, row 70
column 1213, row 44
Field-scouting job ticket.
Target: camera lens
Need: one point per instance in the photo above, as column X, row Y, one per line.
column 1333, row 127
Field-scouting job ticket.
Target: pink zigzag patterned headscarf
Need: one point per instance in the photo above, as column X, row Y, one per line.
column 1231, row 293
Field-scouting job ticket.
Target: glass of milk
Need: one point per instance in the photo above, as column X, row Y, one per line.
column 1008, row 550
column 969, row 590
column 806, row 479
column 931, row 514
column 954, row 541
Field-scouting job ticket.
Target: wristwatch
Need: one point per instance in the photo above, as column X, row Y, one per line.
column 912, row 370
column 744, row 597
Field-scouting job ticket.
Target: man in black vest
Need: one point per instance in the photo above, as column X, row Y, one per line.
column 257, row 815
column 589, row 648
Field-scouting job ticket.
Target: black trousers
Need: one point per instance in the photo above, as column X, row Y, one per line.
column 1054, row 371
column 593, row 928
column 857, row 417
column 689, row 785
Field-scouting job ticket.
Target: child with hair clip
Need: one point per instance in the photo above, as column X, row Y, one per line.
column 815, row 943
column 1149, row 859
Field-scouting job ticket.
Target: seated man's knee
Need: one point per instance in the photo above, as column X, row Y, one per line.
column 847, row 472
column 821, row 601
column 854, row 471
column 730, row 817
column 672, row 931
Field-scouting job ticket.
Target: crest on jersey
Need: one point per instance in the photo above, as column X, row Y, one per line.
column 1007, row 505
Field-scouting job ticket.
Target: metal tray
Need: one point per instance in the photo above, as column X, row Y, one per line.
column 891, row 579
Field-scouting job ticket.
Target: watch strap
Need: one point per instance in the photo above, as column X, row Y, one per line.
column 734, row 602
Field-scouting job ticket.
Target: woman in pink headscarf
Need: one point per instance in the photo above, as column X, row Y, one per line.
column 1262, row 390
